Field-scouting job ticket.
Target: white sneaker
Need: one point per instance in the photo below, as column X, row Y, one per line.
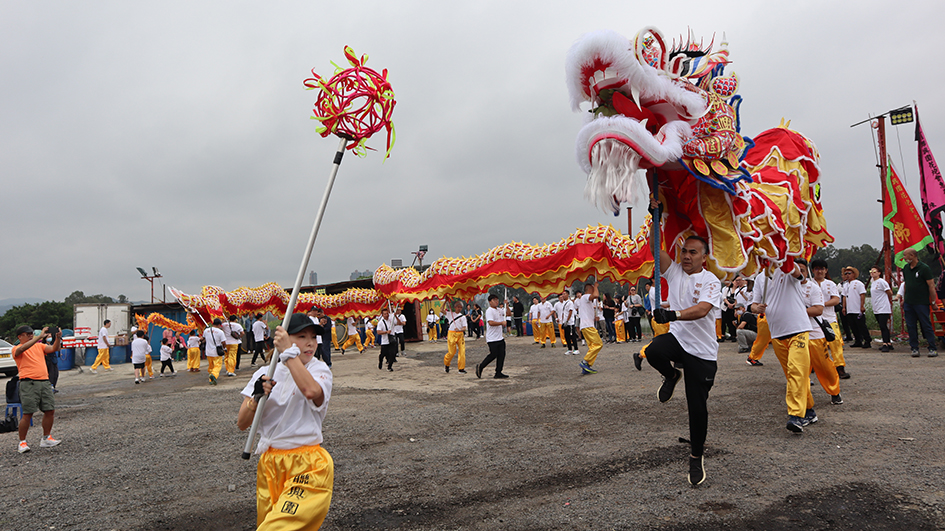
column 93, row 371
column 161, row 375
column 48, row 442
column 151, row 377
column 23, row 447
column 110, row 369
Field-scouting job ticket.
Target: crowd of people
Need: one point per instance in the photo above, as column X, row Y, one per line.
column 800, row 311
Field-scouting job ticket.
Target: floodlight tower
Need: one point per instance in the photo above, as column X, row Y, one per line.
column 150, row 278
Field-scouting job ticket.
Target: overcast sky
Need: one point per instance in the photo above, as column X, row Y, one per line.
column 177, row 134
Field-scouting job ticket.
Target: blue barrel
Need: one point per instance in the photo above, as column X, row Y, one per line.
column 90, row 354
column 66, row 359
column 118, row 354
column 528, row 328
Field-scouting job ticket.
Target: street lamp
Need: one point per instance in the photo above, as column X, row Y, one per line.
column 418, row 255
column 150, row 278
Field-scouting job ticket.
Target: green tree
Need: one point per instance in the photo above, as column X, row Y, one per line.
column 78, row 297
column 49, row 313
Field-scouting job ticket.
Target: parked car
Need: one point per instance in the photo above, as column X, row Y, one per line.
column 7, row 365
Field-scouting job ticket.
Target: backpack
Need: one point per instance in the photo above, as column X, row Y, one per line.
column 11, row 423
column 13, row 390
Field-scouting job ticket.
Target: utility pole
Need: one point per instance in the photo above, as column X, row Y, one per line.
column 887, row 254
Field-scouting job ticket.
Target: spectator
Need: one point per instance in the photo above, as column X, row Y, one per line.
column 36, row 393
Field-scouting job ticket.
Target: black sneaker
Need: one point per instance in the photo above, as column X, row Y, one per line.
column 447, row 367
column 462, row 371
column 668, row 386
column 836, row 400
column 884, row 348
column 844, row 375
column 810, row 417
column 499, row 376
column 795, row 424
column 478, row 371
column 696, row 470
column 637, row 361
column 752, row 362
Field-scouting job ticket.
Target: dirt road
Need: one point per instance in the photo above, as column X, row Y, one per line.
column 546, row 449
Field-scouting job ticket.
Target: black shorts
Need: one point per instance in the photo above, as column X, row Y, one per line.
column 139, row 365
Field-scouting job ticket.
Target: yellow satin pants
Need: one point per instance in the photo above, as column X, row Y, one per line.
column 293, row 488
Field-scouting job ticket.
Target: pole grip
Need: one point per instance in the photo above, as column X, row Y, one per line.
column 274, row 360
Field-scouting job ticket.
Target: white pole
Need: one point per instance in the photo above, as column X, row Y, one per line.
column 274, row 360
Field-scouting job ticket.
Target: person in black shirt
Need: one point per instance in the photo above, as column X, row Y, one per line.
column 747, row 329
column 518, row 309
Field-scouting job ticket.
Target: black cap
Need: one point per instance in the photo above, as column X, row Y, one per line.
column 300, row 321
column 23, row 329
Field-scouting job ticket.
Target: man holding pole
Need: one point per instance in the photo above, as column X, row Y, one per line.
column 781, row 299
column 694, row 303
column 587, row 313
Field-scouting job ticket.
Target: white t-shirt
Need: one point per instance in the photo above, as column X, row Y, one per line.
column 830, row 290
column 431, row 319
column 852, row 292
column 494, row 333
column 742, row 296
column 787, row 313
column 652, row 296
column 623, row 313
column 587, row 311
column 558, row 306
column 457, row 321
column 139, row 350
column 193, row 341
column 166, row 352
column 383, row 325
column 213, row 336
column 399, row 321
column 544, row 312
column 368, row 325
column 234, row 327
column 103, row 338
column 813, row 296
column 695, row 337
column 878, row 297
column 290, row 420
column 533, row 312
column 352, row 327
column 567, row 315
column 259, row 331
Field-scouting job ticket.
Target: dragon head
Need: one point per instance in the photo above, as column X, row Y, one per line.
column 652, row 106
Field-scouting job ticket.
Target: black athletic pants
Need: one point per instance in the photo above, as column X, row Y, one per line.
column 519, row 331
column 496, row 353
column 169, row 364
column 388, row 353
column 570, row 337
column 634, row 330
column 699, row 375
column 728, row 324
column 883, row 320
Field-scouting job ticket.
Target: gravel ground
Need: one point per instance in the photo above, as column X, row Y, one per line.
column 546, row 449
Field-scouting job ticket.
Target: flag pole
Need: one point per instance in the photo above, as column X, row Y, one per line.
column 274, row 359
column 881, row 137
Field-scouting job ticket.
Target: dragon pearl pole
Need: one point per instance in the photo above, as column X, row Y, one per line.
column 655, row 234
column 274, row 360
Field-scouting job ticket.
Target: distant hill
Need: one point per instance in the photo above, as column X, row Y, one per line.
column 6, row 304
